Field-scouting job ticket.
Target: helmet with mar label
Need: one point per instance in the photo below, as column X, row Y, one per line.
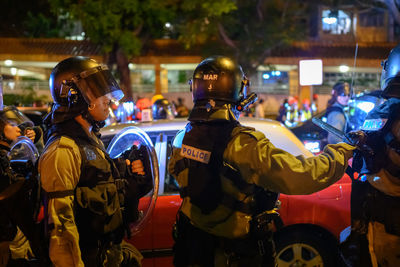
column 219, row 78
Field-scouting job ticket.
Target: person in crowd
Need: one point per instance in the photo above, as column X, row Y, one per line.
column 335, row 113
column 283, row 111
column 163, row 109
column 230, row 176
column 141, row 104
column 375, row 198
column 260, row 112
column 293, row 113
column 89, row 197
column 181, row 109
column 305, row 112
column 314, row 104
column 16, row 220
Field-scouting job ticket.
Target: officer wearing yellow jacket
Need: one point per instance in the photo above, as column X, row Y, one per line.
column 231, row 175
column 85, row 220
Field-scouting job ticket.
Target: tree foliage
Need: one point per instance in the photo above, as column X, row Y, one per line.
column 246, row 29
column 120, row 26
column 27, row 18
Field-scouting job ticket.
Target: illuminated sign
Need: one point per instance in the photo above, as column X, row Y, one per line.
column 310, row 72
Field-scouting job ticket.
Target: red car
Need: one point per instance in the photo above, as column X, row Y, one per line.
column 311, row 223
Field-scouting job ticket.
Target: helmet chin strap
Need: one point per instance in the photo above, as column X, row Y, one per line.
column 97, row 125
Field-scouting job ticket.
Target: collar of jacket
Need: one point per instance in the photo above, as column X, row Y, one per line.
column 211, row 111
column 70, row 128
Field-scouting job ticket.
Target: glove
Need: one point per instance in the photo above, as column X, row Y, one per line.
column 356, row 138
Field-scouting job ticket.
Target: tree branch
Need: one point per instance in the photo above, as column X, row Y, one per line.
column 138, row 29
column 259, row 10
column 225, row 37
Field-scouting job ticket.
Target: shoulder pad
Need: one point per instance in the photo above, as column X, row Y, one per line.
column 177, row 142
column 252, row 132
column 66, row 142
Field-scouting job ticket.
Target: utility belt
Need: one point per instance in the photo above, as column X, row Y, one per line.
column 201, row 246
column 259, row 240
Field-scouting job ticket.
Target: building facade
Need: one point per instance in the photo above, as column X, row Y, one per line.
column 351, row 44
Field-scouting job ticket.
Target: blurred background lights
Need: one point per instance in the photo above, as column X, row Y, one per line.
column 310, row 72
column 365, row 106
column 14, row 71
column 343, row 68
column 329, row 20
column 8, row 62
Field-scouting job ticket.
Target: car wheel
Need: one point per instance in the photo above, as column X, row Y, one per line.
column 302, row 248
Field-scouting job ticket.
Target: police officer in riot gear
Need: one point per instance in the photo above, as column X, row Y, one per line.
column 86, row 193
column 231, row 175
column 163, row 109
column 335, row 113
column 375, row 199
column 20, row 240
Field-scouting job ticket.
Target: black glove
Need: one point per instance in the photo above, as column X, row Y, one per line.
column 356, row 138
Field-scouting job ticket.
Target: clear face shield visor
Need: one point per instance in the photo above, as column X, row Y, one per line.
column 97, row 82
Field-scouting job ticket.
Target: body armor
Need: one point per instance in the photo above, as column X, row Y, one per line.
column 203, row 146
column 98, row 213
column 338, row 108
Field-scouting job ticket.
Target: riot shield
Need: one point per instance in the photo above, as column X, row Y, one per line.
column 129, row 139
column 23, row 155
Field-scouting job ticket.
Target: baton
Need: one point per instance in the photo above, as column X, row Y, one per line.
column 329, row 128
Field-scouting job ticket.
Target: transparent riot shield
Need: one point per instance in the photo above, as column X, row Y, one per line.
column 129, row 139
column 23, row 155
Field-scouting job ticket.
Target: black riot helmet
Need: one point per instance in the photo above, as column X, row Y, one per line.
column 390, row 78
column 163, row 109
column 77, row 81
column 341, row 89
column 219, row 90
column 218, row 78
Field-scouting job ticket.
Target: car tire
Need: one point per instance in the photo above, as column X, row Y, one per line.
column 302, row 247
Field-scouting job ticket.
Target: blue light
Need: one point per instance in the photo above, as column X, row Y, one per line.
column 365, row 106
column 266, row 76
column 277, row 73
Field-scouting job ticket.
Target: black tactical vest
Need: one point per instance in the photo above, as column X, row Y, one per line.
column 347, row 126
column 202, row 148
column 98, row 209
